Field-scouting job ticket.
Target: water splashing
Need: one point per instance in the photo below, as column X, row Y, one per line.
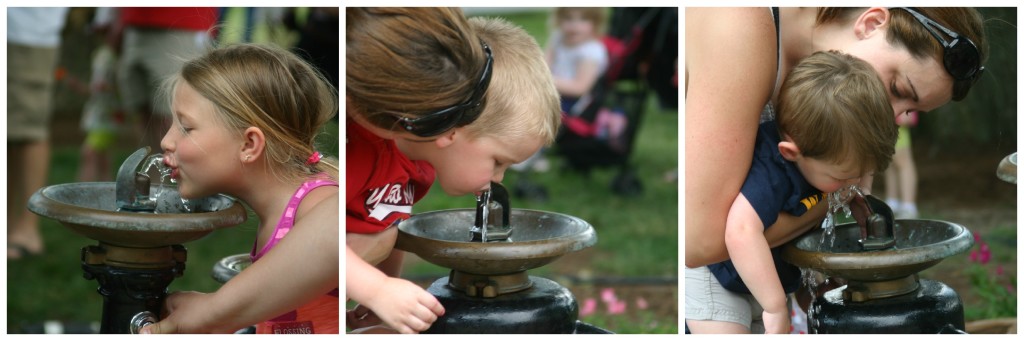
column 838, row 200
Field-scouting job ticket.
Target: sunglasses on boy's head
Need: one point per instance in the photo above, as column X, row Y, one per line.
column 455, row 116
column 960, row 56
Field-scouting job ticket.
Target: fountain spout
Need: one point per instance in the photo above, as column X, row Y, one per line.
column 488, row 206
column 876, row 222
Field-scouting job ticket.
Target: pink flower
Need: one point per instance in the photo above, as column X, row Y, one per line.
column 974, row 256
column 641, row 303
column 1010, row 288
column 616, row 307
column 608, row 295
column 985, row 254
column 589, row 307
column 999, row 270
column 977, row 237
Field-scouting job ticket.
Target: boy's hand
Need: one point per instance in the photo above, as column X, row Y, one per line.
column 776, row 323
column 405, row 306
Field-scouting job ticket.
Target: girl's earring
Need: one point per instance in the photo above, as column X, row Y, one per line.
column 247, row 157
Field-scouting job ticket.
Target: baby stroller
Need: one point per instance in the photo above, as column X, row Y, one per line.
column 600, row 130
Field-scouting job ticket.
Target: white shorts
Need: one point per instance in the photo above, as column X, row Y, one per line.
column 707, row 300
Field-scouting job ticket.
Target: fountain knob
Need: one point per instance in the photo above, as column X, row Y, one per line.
column 141, row 320
column 876, row 221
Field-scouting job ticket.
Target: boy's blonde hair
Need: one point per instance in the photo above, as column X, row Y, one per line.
column 835, row 108
column 410, row 62
column 595, row 15
column 522, row 100
column 271, row 89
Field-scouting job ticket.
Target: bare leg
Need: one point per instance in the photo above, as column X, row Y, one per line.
column 892, row 183
column 33, row 159
column 716, row 327
column 907, row 174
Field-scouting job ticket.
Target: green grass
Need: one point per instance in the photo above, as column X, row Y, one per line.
column 51, row 286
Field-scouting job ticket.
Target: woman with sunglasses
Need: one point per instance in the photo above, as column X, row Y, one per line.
column 428, row 94
column 735, row 59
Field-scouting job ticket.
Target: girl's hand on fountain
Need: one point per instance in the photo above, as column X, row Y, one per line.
column 177, row 314
column 405, row 306
column 776, row 322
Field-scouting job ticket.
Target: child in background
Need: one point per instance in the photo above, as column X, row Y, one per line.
column 901, row 177
column 575, row 54
column 577, row 58
column 834, row 126
column 102, row 116
column 244, row 124
column 428, row 93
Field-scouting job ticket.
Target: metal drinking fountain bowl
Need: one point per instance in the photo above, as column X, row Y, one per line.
column 94, row 209
column 89, row 209
column 538, row 238
column 920, row 244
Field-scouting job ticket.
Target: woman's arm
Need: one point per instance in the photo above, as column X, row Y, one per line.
column 730, row 73
column 303, row 266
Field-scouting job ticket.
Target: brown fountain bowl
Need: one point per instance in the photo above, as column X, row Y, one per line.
column 90, row 209
column 1007, row 169
column 920, row 244
column 538, row 238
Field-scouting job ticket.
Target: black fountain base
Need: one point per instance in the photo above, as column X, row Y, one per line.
column 544, row 308
column 934, row 308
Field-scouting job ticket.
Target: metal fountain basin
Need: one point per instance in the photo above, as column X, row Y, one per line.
column 538, row 238
column 920, row 244
column 90, row 209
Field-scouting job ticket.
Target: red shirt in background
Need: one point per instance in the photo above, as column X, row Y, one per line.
column 181, row 18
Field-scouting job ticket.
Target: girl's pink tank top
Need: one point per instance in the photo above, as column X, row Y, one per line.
column 319, row 316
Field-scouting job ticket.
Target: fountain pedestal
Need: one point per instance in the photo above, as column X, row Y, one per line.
column 132, row 281
column 544, row 308
column 488, row 290
column 884, row 293
column 933, row 308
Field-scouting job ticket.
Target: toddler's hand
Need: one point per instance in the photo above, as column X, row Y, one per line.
column 776, row 323
column 405, row 306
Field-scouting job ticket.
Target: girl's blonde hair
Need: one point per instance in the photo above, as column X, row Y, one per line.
column 409, row 62
column 271, row 89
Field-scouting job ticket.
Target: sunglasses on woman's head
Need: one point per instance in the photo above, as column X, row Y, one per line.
column 960, row 56
column 458, row 115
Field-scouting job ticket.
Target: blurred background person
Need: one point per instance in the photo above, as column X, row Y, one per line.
column 156, row 41
column 33, row 42
column 901, row 177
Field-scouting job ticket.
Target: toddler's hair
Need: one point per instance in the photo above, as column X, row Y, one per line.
column 271, row 89
column 522, row 100
column 835, row 108
column 409, row 62
column 595, row 15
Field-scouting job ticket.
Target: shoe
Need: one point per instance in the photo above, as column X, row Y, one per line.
column 19, row 251
column 907, row 211
column 893, row 204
